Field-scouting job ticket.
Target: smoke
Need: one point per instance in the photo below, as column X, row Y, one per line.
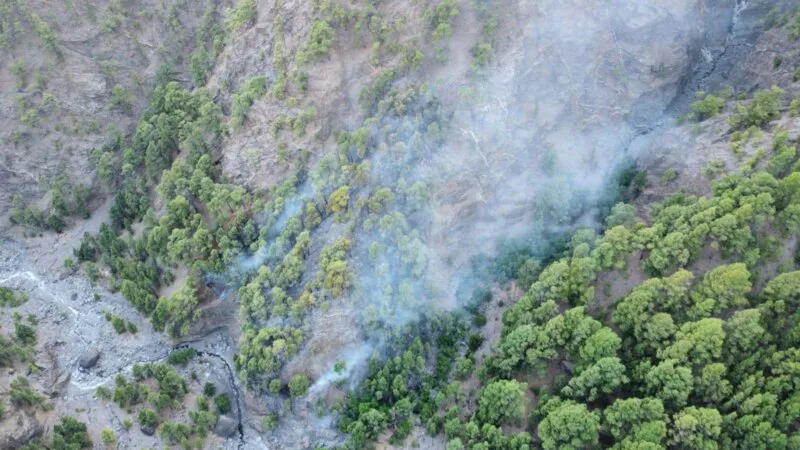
column 522, row 150
column 352, row 362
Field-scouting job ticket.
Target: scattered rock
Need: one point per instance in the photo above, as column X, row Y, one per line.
column 226, row 427
column 89, row 359
column 148, row 430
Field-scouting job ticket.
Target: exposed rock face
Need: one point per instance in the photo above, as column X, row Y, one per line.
column 89, row 359
column 575, row 83
column 226, row 427
column 90, row 63
column 19, row 429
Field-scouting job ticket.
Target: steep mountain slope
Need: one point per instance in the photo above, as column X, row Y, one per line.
column 349, row 174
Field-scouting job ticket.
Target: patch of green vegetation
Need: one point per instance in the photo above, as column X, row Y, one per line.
column 20, row 72
column 12, row 298
column 441, row 18
column 181, row 357
column 113, row 18
column 707, row 106
column 319, row 42
column 22, row 395
column 66, row 200
column 242, row 15
column 241, row 101
column 668, row 176
column 122, row 99
column 121, row 326
column 46, row 35
column 762, row 109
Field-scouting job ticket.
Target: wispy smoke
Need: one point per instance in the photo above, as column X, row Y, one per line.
column 524, row 153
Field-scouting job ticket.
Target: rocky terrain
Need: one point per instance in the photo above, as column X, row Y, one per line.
column 573, row 91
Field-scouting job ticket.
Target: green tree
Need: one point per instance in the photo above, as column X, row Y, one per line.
column 241, row 15
column 339, row 199
column 746, row 338
column 71, row 434
column 601, row 379
column 570, row 426
column 455, row 444
column 147, row 418
column 712, row 385
column 223, row 403
column 298, row 385
column 670, row 383
column 697, row 343
column 621, row 214
column 502, row 400
column 721, row 288
column 635, row 419
column 764, row 108
column 696, row 428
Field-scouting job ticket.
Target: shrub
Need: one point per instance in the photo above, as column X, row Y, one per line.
column 22, row 394
column 9, row 298
column 706, row 106
column 764, row 108
column 181, row 357
column 241, row 102
column 121, row 99
column 241, row 15
column 108, row 437
column 223, row 403
column 298, row 385
column 71, row 434
column 175, row 432
column 119, row 324
column 319, row 43
column 147, row 418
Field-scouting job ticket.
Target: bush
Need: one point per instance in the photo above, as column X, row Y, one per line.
column 175, row 433
column 764, row 108
column 209, row 390
column 25, row 334
column 241, row 102
column 9, row 298
column 708, row 107
column 241, row 15
column 71, row 434
column 147, row 418
column 22, row 395
column 119, row 324
column 108, row 437
column 181, row 357
column 223, row 403
column 121, row 99
column 319, row 43
column 298, row 385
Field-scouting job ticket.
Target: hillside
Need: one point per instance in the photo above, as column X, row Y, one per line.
column 427, row 224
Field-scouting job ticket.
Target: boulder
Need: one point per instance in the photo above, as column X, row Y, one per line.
column 147, row 430
column 89, row 359
column 226, row 427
